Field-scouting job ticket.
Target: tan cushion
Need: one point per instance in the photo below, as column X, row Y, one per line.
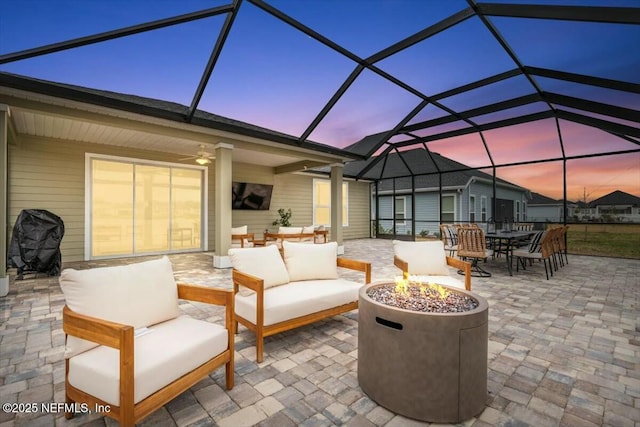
column 424, row 258
column 139, row 295
column 265, row 263
column 170, row 350
column 297, row 299
column 308, row 262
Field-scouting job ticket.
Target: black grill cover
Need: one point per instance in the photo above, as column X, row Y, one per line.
column 35, row 244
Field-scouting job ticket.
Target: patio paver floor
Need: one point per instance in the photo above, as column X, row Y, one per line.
column 564, row 351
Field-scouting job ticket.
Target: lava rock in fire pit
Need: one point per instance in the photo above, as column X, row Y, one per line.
column 420, row 297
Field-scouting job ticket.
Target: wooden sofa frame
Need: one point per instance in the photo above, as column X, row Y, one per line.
column 461, row 265
column 121, row 337
column 262, row 331
column 242, row 237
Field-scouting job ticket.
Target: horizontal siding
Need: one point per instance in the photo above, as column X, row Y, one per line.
column 50, row 174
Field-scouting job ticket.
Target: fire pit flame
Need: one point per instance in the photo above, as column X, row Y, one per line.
column 428, row 289
column 418, row 296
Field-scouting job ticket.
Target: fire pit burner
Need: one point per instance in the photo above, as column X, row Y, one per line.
column 418, row 297
column 423, row 363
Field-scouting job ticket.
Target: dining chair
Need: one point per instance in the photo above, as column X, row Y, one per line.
column 472, row 245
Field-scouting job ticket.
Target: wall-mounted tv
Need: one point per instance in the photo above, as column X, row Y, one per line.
column 250, row 196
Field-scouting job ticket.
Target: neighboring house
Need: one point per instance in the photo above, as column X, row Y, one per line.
column 616, row 206
column 546, row 209
column 403, row 209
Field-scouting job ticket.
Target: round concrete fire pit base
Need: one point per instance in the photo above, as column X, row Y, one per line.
column 427, row 366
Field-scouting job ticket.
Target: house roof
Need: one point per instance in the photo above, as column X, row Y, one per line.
column 616, row 198
column 160, row 109
column 539, row 199
column 424, row 166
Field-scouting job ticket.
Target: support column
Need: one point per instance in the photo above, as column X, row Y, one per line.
column 336, row 205
column 222, row 211
column 4, row 162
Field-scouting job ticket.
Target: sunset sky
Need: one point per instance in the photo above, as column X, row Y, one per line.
column 272, row 75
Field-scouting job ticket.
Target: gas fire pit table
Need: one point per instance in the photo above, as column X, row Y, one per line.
column 425, row 355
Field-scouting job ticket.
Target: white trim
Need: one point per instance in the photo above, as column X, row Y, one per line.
column 4, row 286
column 345, row 193
column 222, row 261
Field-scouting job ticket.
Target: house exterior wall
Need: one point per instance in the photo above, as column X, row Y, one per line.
column 546, row 213
column 50, row 174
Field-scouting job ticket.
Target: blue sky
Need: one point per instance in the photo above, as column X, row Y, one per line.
column 271, row 75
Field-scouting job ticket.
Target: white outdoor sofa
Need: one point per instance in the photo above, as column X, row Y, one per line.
column 276, row 293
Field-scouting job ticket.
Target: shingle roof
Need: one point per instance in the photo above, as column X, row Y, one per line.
column 616, row 198
column 159, row 108
column 425, row 166
column 539, row 199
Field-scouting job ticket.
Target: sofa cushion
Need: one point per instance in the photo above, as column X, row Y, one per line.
column 424, row 258
column 308, row 230
column 264, row 262
column 170, row 350
column 140, row 294
column 440, row 280
column 237, row 243
column 308, row 262
column 239, row 230
column 297, row 299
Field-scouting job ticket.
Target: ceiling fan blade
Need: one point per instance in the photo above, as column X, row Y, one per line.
column 189, row 158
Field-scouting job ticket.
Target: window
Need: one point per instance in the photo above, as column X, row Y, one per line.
column 448, row 213
column 400, row 210
column 322, row 202
column 524, row 211
column 136, row 207
column 518, row 210
column 472, row 208
column 483, row 209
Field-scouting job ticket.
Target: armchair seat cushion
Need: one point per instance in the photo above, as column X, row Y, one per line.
column 297, row 299
column 440, row 280
column 170, row 350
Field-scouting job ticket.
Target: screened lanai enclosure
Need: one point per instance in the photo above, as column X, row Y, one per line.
column 455, row 111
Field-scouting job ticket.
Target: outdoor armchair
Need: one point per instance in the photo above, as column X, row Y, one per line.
column 128, row 349
column 473, row 245
column 427, row 262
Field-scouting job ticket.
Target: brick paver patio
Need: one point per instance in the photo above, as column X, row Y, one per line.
column 564, row 351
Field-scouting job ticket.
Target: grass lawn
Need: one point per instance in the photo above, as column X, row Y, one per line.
column 615, row 240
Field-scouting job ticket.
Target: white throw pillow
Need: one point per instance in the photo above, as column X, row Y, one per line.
column 239, row 230
column 308, row 262
column 265, row 263
column 289, row 230
column 424, row 258
column 141, row 294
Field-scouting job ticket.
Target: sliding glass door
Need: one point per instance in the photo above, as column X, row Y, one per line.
column 142, row 208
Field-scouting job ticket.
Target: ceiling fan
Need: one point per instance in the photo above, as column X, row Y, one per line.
column 202, row 158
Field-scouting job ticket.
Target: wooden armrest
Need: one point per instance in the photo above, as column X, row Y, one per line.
column 96, row 330
column 246, row 280
column 402, row 265
column 217, row 296
column 353, row 264
column 464, row 266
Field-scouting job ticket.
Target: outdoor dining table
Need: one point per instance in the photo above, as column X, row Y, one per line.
column 510, row 237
